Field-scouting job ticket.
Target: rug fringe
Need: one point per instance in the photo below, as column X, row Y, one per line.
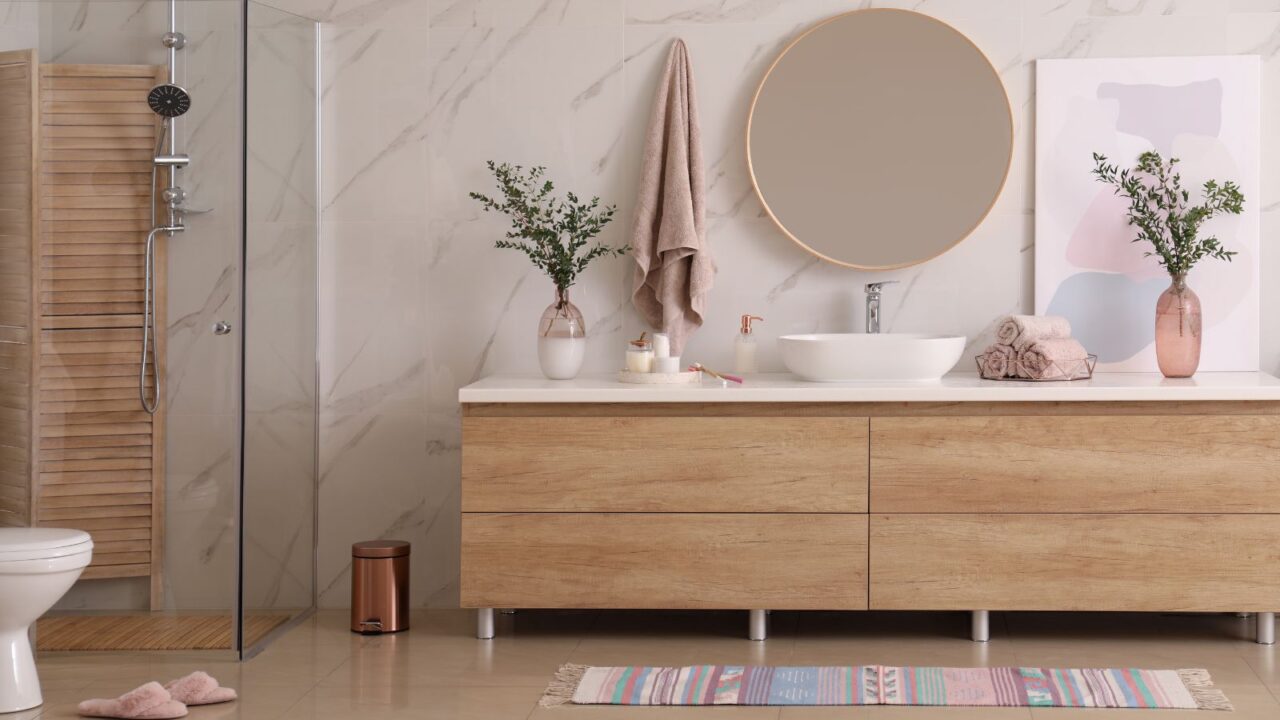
column 563, row 685
column 1200, row 685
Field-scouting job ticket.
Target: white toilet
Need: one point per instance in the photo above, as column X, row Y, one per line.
column 37, row 567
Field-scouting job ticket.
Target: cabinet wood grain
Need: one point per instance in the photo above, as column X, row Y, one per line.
column 689, row 464
column 1173, row 464
column 1204, row 563
column 679, row 561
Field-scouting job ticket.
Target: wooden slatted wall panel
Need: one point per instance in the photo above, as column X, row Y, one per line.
column 101, row 458
column 19, row 142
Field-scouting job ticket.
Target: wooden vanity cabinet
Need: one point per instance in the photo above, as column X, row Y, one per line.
column 574, row 509
column 1140, row 506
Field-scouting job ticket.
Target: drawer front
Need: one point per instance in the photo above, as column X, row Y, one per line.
column 1086, row 464
column 1208, row 563
column 692, row 561
column 664, row 464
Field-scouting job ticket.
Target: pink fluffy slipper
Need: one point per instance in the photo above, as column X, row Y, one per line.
column 149, row 702
column 199, row 688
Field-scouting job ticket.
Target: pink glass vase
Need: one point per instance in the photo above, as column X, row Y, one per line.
column 1178, row 330
column 562, row 338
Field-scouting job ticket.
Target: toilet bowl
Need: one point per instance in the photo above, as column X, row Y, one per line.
column 37, row 567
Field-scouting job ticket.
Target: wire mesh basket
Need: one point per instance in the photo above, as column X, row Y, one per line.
column 1056, row 372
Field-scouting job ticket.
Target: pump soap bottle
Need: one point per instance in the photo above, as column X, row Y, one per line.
column 744, row 346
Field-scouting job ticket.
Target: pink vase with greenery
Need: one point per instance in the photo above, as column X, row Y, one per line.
column 558, row 237
column 1160, row 211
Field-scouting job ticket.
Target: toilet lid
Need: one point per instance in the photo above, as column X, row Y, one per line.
column 42, row 543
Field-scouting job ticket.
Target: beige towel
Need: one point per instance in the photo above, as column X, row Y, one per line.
column 674, row 270
column 999, row 361
column 1022, row 330
column 1052, row 359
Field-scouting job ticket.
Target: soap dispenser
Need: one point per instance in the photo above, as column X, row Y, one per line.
column 744, row 346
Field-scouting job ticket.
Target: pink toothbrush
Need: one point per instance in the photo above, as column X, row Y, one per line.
column 699, row 367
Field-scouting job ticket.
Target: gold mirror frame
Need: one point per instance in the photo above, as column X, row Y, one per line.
column 755, row 98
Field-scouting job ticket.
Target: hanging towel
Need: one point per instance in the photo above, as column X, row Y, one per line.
column 674, row 270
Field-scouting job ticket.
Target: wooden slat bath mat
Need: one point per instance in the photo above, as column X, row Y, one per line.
column 147, row 632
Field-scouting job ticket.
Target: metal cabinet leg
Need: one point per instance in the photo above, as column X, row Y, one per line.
column 484, row 623
column 758, row 625
column 1266, row 628
column 980, row 625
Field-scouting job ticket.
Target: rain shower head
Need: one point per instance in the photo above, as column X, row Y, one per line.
column 169, row 100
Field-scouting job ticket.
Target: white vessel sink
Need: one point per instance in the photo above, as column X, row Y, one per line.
column 860, row 356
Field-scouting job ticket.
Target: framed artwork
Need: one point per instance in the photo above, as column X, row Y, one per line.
column 1205, row 111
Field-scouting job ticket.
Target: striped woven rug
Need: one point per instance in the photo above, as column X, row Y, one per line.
column 885, row 685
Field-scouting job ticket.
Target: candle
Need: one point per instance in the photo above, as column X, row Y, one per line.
column 668, row 365
column 640, row 357
column 661, row 345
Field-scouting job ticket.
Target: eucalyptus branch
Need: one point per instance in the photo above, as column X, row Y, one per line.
column 550, row 231
column 1160, row 209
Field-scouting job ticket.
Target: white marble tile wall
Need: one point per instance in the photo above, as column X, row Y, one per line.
column 416, row 302
column 19, row 25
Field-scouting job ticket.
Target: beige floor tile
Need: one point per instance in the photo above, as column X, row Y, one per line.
column 437, row 669
column 1265, row 661
column 453, row 661
column 418, row 703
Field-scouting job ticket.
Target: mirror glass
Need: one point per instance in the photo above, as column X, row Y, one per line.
column 880, row 138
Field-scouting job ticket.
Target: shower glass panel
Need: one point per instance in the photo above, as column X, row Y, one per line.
column 203, row 513
column 281, row 231
column 164, row 523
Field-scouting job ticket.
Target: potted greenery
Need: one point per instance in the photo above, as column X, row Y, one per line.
column 1160, row 209
column 555, row 234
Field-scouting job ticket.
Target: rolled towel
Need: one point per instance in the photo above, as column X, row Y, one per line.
column 999, row 361
column 1022, row 330
column 1053, row 359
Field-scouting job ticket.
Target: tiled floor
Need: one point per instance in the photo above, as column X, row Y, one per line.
column 436, row 670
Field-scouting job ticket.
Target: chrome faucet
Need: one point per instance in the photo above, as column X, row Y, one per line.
column 873, row 304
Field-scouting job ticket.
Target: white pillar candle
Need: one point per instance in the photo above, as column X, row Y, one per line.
column 668, row 365
column 661, row 345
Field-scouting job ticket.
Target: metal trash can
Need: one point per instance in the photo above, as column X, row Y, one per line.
column 379, row 586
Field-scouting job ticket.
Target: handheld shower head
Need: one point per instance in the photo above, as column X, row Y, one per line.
column 169, row 100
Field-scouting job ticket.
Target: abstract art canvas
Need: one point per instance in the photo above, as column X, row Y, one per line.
column 1203, row 111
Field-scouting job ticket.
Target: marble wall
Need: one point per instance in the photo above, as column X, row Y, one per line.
column 416, row 302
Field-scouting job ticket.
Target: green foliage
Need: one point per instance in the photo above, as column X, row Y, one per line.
column 1159, row 207
column 551, row 231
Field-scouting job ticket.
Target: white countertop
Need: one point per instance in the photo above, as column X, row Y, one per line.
column 961, row 387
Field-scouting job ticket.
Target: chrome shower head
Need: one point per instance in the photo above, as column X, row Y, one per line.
column 169, row 100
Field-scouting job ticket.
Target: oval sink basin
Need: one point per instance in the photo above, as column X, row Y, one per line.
column 848, row 357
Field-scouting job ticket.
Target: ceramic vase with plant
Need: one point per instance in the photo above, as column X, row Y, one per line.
column 558, row 236
column 1161, row 210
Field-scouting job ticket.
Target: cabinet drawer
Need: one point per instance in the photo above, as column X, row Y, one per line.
column 1087, row 464
column 664, row 464
column 691, row 561
column 1207, row 563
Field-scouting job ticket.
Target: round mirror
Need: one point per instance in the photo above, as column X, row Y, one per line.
column 879, row 138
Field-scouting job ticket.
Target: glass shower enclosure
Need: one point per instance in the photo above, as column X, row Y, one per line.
column 159, row 238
